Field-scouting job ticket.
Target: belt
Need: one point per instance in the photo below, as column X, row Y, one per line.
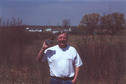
column 63, row 78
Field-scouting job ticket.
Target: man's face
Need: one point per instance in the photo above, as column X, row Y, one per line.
column 62, row 40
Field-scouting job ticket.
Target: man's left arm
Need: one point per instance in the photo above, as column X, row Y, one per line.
column 77, row 64
column 76, row 74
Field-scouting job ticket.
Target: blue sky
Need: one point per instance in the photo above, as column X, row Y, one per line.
column 52, row 12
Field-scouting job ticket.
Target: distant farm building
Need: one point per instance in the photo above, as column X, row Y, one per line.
column 53, row 29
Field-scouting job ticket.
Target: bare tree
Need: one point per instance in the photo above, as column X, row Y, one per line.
column 90, row 21
column 66, row 23
column 19, row 21
column 113, row 22
column 0, row 21
column 11, row 22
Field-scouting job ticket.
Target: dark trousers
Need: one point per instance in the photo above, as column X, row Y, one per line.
column 59, row 81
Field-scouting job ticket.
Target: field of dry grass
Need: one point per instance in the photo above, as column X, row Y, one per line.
column 103, row 57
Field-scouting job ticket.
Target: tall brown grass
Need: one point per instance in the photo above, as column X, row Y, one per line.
column 102, row 57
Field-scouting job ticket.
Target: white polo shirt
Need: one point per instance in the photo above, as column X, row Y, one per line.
column 62, row 60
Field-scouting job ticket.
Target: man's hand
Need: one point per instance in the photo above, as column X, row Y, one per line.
column 44, row 46
column 76, row 75
column 41, row 52
column 74, row 81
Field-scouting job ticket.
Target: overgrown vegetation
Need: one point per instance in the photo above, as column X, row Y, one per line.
column 101, row 54
column 94, row 23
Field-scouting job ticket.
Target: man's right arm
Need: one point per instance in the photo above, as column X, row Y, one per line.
column 41, row 52
column 40, row 55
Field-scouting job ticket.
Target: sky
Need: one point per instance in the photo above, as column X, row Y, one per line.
column 53, row 12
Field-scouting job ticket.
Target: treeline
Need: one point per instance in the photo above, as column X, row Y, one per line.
column 95, row 23
column 10, row 22
column 92, row 23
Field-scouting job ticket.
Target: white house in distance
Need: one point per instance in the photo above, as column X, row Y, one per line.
column 57, row 30
column 52, row 29
column 34, row 29
column 48, row 29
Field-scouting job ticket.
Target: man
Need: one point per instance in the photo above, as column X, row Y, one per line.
column 64, row 61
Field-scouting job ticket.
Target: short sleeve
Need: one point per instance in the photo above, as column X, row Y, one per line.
column 44, row 58
column 48, row 53
column 77, row 60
